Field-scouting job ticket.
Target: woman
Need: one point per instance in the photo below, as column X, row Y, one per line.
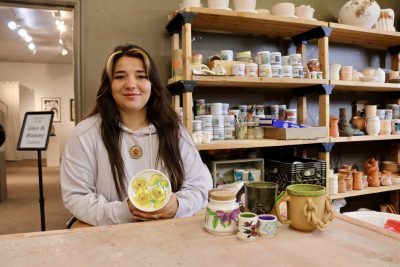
column 131, row 128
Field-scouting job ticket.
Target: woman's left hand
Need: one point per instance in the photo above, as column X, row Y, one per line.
column 167, row 212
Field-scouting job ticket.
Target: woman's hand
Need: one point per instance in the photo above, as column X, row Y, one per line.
column 167, row 212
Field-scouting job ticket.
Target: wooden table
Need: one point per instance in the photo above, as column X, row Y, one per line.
column 184, row 242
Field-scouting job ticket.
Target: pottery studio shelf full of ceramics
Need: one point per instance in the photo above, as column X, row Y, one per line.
column 181, row 24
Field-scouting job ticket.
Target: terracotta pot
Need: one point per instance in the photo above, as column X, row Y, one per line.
column 371, row 162
column 359, row 122
column 374, row 178
column 333, row 127
column 349, row 184
column 357, row 180
column 342, row 186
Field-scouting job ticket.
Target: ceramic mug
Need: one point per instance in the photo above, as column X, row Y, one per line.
column 247, row 226
column 259, row 197
column 266, row 225
column 308, row 207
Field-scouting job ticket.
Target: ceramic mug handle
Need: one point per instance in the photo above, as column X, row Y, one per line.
column 309, row 211
column 283, row 197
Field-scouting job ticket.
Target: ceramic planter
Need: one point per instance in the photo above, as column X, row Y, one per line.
column 362, row 13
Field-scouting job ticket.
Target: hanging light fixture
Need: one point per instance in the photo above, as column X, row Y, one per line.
column 64, row 51
column 18, row 26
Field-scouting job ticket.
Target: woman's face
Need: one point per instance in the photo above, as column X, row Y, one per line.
column 130, row 86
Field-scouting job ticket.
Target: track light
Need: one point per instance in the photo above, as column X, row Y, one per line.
column 12, row 25
column 31, row 46
column 64, row 52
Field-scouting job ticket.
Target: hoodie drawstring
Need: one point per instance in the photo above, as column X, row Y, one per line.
column 151, row 150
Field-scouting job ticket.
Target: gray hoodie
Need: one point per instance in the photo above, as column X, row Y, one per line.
column 87, row 185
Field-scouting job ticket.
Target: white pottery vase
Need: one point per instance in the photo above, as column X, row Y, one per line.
column 362, row 13
column 244, row 5
column 373, row 125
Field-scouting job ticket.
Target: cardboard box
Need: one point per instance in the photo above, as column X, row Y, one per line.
column 295, row 133
column 225, row 63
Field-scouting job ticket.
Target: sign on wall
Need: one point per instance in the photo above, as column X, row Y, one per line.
column 35, row 131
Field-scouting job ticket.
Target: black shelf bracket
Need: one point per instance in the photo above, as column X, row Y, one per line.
column 181, row 18
column 394, row 50
column 316, row 33
column 182, row 86
column 325, row 147
column 321, row 89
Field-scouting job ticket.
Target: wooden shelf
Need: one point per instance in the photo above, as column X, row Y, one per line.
column 243, row 22
column 364, row 86
column 253, row 82
column 363, row 138
column 247, row 143
column 367, row 191
column 372, row 38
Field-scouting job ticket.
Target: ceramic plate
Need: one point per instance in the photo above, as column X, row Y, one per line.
column 149, row 190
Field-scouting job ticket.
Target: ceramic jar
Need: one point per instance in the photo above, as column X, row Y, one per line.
column 333, row 127
column 244, row 5
column 373, row 125
column 222, row 213
column 362, row 13
column 218, row 4
column 357, row 180
column 374, row 178
column 313, row 65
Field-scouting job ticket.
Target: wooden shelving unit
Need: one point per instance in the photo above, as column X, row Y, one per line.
column 204, row 19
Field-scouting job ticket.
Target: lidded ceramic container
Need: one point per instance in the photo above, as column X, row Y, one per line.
column 222, row 213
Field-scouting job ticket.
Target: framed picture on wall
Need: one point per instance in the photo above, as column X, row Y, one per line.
column 72, row 109
column 52, row 104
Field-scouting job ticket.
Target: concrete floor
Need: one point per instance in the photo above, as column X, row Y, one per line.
column 20, row 213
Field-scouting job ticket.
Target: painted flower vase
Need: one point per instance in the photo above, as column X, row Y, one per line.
column 222, row 213
column 362, row 13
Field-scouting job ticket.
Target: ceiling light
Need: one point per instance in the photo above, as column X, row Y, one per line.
column 34, row 52
column 12, row 25
column 28, row 38
column 31, row 46
column 22, row 32
column 64, row 52
column 60, row 41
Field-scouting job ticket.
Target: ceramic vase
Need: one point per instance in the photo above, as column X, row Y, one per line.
column 373, row 125
column 344, row 126
column 245, row 5
column 357, row 180
column 333, row 127
column 218, row 4
column 362, row 13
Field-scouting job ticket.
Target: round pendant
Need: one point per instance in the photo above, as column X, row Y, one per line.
column 136, row 152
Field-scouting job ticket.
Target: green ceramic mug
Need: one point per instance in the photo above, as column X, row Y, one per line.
column 259, row 196
column 308, row 208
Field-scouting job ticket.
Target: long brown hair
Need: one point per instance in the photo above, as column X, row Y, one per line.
column 159, row 112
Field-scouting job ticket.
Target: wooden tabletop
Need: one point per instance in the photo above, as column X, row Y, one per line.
column 184, row 242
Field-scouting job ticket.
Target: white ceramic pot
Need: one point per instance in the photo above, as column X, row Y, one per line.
column 218, row 4
column 244, row 5
column 362, row 13
column 304, row 12
column 380, row 75
column 373, row 125
column 283, row 9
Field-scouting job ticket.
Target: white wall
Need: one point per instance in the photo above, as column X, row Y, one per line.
column 46, row 80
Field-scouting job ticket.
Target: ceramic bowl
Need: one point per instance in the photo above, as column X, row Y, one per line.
column 283, row 9
column 304, row 12
column 368, row 72
column 149, row 190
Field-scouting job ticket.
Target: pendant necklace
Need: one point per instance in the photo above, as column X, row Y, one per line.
column 135, row 152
